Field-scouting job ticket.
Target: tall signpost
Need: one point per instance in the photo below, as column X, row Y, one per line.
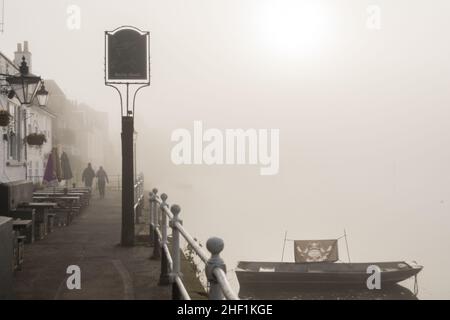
column 127, row 67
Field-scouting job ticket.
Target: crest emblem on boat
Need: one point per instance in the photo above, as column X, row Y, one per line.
column 316, row 251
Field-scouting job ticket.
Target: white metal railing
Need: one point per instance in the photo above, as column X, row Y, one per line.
column 138, row 197
column 115, row 182
column 161, row 219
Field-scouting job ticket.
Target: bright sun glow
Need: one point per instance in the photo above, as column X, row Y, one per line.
column 292, row 27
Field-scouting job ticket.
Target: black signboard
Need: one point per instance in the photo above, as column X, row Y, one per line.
column 127, row 56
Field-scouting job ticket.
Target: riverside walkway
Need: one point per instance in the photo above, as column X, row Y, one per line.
column 108, row 271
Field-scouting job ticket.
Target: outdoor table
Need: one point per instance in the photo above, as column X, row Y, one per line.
column 70, row 197
column 64, row 202
column 84, row 195
column 21, row 225
column 62, row 190
column 19, row 241
column 39, row 205
column 40, row 193
column 42, row 213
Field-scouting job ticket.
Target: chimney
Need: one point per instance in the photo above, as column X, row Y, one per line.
column 19, row 54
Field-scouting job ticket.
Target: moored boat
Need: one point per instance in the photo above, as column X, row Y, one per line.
column 317, row 266
column 321, row 273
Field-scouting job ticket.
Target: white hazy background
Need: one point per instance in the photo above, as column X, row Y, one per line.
column 364, row 115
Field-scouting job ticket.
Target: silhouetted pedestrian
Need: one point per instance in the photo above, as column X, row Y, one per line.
column 102, row 179
column 88, row 176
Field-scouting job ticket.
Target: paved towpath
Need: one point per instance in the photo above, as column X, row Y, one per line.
column 108, row 271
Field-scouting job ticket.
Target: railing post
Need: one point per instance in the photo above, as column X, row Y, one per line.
column 164, row 278
column 141, row 200
column 137, row 204
column 175, row 250
column 153, row 195
column 156, row 240
column 215, row 247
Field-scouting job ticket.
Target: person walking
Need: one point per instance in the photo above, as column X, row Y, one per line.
column 88, row 176
column 102, row 180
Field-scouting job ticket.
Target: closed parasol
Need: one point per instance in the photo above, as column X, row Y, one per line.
column 66, row 170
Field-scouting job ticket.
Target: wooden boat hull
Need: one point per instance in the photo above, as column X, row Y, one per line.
column 323, row 274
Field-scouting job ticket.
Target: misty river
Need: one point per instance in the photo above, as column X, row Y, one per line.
column 378, row 204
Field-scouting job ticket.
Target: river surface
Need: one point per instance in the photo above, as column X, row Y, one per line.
column 252, row 221
column 383, row 177
column 394, row 293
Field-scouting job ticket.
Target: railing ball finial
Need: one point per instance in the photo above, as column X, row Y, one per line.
column 175, row 210
column 215, row 245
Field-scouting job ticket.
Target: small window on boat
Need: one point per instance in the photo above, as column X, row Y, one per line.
column 261, row 269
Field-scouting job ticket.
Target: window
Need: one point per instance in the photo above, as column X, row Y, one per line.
column 30, row 169
column 13, row 131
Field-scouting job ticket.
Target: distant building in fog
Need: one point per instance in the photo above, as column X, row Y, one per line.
column 80, row 131
column 95, row 125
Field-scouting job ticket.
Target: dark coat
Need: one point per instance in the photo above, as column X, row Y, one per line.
column 102, row 176
column 88, row 176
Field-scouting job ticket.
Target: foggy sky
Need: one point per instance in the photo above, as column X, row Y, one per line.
column 363, row 116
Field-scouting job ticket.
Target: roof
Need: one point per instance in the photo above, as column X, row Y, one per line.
column 43, row 110
column 10, row 62
column 57, row 99
column 53, row 88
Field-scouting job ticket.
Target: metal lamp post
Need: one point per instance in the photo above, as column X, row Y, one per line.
column 24, row 84
column 42, row 95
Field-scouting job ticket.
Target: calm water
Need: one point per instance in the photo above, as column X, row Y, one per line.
column 394, row 293
column 254, row 231
column 389, row 191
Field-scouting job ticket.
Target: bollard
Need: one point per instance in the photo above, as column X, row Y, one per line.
column 215, row 247
column 175, row 250
column 164, row 278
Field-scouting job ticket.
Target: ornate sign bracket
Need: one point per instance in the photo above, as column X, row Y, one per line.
column 127, row 64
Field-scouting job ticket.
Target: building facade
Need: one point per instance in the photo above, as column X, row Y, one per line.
column 76, row 129
column 12, row 148
column 39, row 120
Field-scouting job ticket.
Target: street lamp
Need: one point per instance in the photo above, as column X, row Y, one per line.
column 42, row 95
column 24, row 84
